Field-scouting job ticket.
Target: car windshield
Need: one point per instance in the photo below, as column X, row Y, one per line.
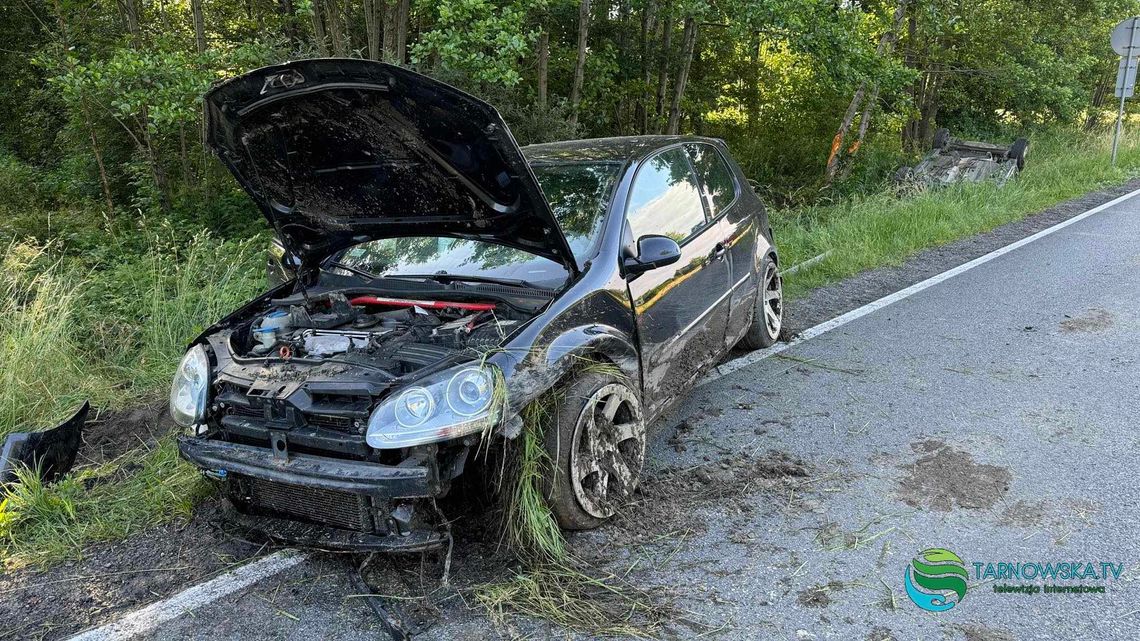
column 578, row 193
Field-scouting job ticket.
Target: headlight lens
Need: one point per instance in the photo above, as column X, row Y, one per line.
column 414, row 407
column 190, row 388
column 446, row 405
column 469, row 391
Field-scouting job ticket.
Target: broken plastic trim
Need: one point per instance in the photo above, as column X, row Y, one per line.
column 50, row 452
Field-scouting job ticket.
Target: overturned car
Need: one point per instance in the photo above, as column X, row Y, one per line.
column 953, row 160
column 442, row 279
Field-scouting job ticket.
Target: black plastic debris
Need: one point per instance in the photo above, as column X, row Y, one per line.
column 50, row 452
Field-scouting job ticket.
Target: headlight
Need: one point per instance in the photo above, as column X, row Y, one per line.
column 443, row 406
column 190, row 388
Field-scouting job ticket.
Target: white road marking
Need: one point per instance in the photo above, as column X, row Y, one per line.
column 196, row 596
column 839, row 321
column 193, row 597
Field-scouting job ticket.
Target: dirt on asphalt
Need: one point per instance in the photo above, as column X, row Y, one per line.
column 115, row 578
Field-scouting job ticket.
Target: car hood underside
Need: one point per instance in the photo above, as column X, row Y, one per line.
column 337, row 152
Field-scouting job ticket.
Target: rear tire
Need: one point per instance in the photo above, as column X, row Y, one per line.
column 1018, row 151
column 596, row 443
column 768, row 315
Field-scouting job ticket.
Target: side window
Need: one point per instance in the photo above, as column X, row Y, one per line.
column 665, row 199
column 714, row 175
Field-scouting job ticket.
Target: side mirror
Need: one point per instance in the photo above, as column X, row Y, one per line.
column 653, row 251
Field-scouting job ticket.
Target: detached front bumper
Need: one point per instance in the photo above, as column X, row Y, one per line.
column 324, row 502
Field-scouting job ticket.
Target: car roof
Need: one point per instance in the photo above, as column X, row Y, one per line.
column 616, row 149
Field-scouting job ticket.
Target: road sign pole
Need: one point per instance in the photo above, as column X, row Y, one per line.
column 1120, row 114
column 1126, row 45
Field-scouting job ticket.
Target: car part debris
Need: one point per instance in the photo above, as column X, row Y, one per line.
column 953, row 160
column 50, row 452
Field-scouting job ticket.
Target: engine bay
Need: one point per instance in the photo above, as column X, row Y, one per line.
column 399, row 335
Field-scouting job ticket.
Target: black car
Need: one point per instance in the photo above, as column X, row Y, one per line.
column 444, row 280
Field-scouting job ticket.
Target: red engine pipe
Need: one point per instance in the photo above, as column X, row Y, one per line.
column 426, row 304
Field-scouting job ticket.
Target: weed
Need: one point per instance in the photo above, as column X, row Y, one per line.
column 569, row 597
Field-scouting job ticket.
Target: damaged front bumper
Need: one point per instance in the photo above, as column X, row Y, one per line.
column 325, row 502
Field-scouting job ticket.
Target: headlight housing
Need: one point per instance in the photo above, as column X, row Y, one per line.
column 456, row 402
column 191, row 386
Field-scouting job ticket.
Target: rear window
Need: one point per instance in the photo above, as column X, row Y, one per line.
column 714, row 174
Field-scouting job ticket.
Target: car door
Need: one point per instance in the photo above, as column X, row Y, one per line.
column 681, row 310
column 738, row 228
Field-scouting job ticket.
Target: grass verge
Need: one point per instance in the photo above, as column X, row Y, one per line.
column 865, row 232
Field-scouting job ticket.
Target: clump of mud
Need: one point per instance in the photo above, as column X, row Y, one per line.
column 1093, row 320
column 945, row 477
column 667, row 501
column 818, row 596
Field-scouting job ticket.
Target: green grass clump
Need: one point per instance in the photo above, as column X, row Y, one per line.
column 530, row 528
column 42, row 524
column 565, row 595
column 865, row 232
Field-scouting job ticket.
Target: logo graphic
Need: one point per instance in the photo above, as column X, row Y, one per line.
column 933, row 577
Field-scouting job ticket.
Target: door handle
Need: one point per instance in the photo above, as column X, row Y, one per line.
column 719, row 250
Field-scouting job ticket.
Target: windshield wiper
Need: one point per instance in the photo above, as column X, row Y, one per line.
column 460, row 278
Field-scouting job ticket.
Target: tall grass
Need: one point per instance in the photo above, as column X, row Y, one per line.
column 44, row 372
column 111, row 332
column 887, row 227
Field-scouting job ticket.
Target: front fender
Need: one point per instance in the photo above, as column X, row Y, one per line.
column 530, row 372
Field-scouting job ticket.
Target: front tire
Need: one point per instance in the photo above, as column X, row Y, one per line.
column 596, row 444
column 768, row 316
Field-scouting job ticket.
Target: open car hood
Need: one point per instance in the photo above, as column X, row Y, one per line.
column 342, row 151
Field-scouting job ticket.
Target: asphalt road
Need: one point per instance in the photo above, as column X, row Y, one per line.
column 991, row 414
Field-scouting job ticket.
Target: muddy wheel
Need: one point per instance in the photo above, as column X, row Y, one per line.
column 597, row 445
column 768, row 318
column 1018, row 151
column 941, row 138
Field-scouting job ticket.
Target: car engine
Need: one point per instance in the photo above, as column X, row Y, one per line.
column 399, row 335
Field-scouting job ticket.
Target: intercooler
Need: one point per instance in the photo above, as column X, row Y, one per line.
column 343, row 510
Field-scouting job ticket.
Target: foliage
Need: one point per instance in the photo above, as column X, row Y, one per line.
column 480, row 38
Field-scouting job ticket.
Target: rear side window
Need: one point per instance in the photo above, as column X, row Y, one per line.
column 665, row 198
column 715, row 175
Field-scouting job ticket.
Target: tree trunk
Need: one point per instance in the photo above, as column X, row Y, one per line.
column 319, row 33
column 543, row 67
column 335, row 28
column 689, row 41
column 648, row 27
column 288, row 17
column 1099, row 97
column 391, row 17
column 402, row 15
column 753, row 83
column 663, row 63
column 131, row 21
column 199, row 25
column 98, row 153
column 200, row 44
column 373, row 27
column 580, row 64
column 886, row 44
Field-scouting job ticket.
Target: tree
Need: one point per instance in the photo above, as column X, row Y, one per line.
column 580, row 61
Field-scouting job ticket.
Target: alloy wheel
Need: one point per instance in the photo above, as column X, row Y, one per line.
column 608, row 450
column 773, row 301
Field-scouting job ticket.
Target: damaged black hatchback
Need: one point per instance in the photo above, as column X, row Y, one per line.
column 442, row 280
